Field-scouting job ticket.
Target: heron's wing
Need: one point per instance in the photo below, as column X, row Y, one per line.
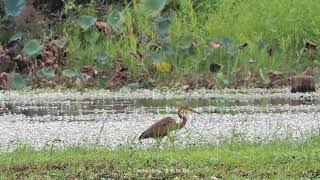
column 159, row 128
column 164, row 122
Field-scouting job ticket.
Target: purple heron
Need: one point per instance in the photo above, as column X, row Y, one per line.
column 166, row 125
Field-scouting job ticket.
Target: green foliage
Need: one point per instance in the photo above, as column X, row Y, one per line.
column 17, row 81
column 47, row 34
column 91, row 36
column 263, row 76
column 32, row 48
column 155, row 58
column 151, row 7
column 162, row 25
column 47, row 72
column 222, row 78
column 70, row 73
column 102, row 58
column 87, row 21
column 14, row 7
column 115, row 19
column 167, row 49
column 17, row 36
column 61, row 43
column 185, row 42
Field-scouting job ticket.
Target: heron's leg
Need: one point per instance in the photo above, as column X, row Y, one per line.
column 158, row 142
column 172, row 139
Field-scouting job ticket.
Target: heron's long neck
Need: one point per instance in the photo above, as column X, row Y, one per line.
column 184, row 119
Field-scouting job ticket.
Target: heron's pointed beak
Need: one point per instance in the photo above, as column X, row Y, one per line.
column 192, row 110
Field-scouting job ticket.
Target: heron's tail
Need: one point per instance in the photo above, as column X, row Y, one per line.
column 144, row 135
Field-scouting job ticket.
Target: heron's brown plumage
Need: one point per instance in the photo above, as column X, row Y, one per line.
column 165, row 125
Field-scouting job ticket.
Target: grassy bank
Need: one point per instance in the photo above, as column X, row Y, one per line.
column 182, row 47
column 279, row 160
column 179, row 45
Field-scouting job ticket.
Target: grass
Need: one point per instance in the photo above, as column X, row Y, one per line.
column 237, row 160
column 283, row 25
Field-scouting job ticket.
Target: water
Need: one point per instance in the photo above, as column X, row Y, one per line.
column 109, row 105
column 113, row 118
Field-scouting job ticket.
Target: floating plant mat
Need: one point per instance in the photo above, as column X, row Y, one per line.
column 67, row 118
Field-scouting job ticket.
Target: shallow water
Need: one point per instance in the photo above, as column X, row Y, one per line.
column 41, row 118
